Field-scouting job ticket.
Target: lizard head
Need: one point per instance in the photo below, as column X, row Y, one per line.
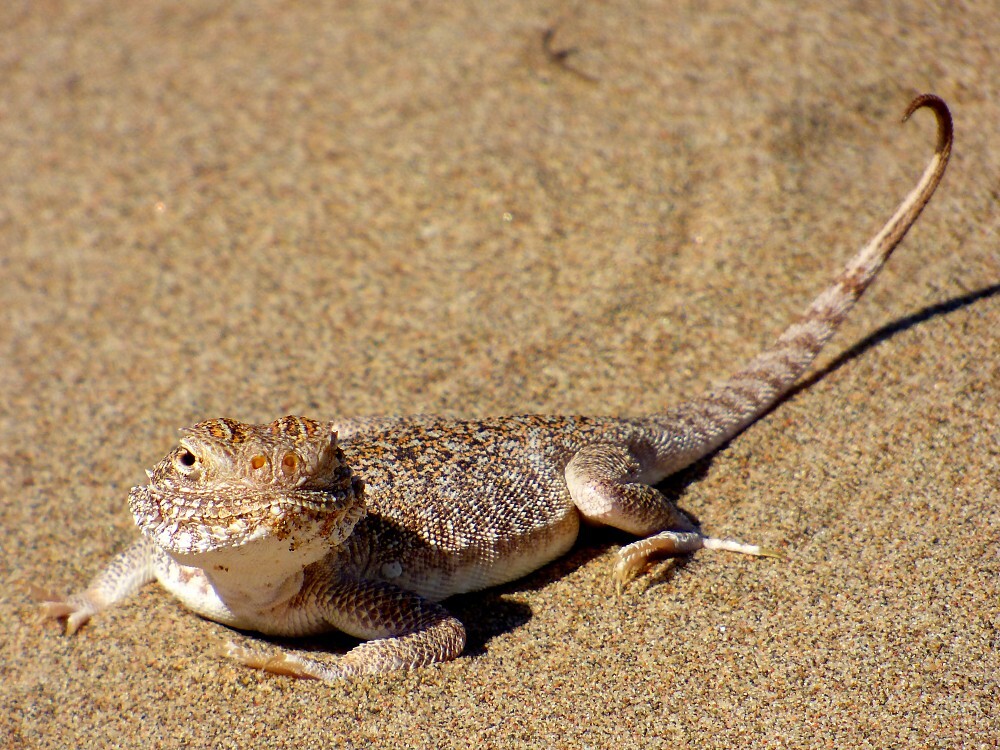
column 279, row 490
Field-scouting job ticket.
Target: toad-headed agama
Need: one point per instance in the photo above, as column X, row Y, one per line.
column 365, row 526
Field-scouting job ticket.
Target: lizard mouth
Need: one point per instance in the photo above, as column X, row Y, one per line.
column 187, row 523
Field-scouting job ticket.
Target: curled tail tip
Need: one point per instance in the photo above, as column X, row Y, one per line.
column 931, row 101
column 943, row 114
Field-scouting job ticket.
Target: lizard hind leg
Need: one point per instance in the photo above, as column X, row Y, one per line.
column 605, row 484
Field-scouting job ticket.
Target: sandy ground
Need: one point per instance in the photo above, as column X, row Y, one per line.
column 247, row 210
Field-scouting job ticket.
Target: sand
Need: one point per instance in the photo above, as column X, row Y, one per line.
column 248, row 210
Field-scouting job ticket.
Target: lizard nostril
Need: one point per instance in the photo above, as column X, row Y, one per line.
column 289, row 463
column 257, row 462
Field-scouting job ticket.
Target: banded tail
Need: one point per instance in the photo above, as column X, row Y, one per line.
column 698, row 427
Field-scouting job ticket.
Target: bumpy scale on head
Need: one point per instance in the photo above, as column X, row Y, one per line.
column 230, row 483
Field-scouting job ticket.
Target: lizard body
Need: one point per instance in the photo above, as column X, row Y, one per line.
column 298, row 527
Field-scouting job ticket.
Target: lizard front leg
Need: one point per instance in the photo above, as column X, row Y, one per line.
column 402, row 630
column 123, row 576
column 603, row 481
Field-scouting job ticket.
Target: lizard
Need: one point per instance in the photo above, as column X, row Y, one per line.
column 366, row 525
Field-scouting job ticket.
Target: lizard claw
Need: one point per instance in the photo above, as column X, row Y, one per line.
column 626, row 570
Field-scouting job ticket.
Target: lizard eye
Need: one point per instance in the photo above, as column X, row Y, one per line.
column 186, row 461
column 257, row 462
column 289, row 463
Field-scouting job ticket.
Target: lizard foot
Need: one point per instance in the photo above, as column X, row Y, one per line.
column 632, row 558
column 76, row 609
column 280, row 662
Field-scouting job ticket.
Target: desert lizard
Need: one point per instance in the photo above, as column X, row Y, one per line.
column 299, row 527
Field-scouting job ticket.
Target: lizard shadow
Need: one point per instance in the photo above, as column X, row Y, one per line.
column 674, row 486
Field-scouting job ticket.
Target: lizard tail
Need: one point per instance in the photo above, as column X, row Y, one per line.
column 696, row 428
